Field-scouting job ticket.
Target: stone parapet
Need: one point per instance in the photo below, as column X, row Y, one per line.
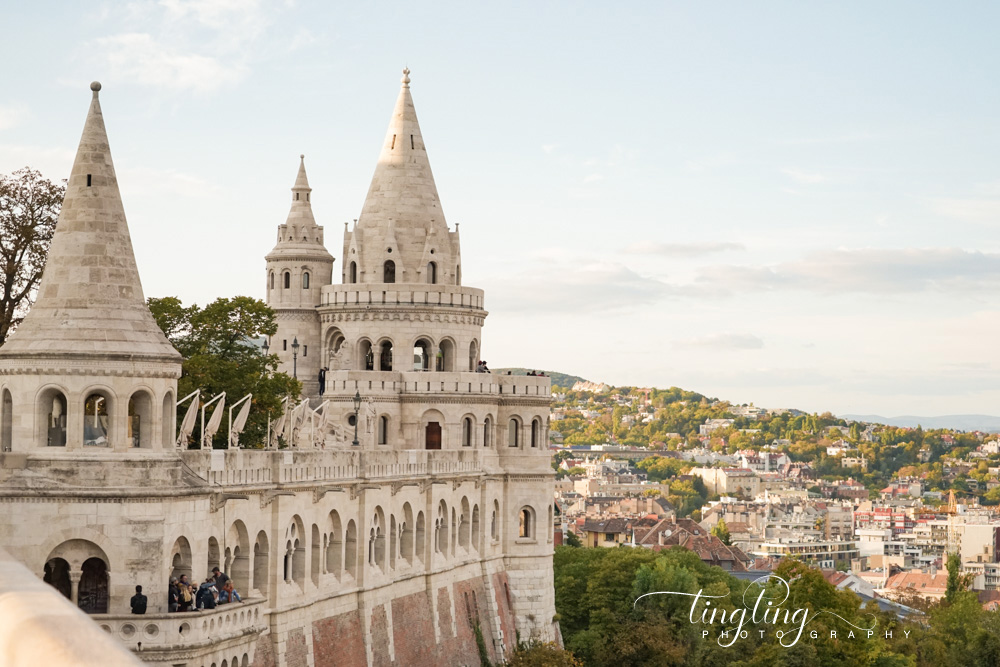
column 342, row 297
column 38, row 626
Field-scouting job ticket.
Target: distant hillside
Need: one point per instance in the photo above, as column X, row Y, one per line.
column 560, row 379
column 957, row 422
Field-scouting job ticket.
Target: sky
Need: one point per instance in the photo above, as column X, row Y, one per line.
column 780, row 203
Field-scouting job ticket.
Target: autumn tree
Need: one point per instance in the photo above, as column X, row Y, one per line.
column 29, row 210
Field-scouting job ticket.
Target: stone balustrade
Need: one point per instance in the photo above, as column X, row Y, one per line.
column 418, row 294
column 246, row 467
column 390, row 383
column 150, row 633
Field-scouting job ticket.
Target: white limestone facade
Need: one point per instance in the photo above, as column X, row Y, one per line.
column 396, row 551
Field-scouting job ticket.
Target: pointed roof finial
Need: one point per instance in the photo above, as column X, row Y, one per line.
column 405, row 79
column 96, row 87
column 301, row 182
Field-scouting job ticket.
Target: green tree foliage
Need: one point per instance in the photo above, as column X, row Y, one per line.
column 29, row 210
column 542, row 654
column 721, row 530
column 221, row 352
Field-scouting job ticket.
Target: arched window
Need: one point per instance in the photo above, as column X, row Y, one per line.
column 52, row 415
column 140, row 419
column 487, row 432
column 513, row 433
column 422, row 355
column 351, row 549
column 418, row 537
column 168, row 415
column 260, row 563
column 6, row 422
column 271, row 283
column 385, row 356
column 467, row 432
column 389, row 271
column 93, row 588
column 96, row 420
column 495, row 521
column 305, row 280
column 432, row 273
column 475, row 527
column 288, row 280
column 535, row 431
column 458, row 274
column 526, row 521
column 57, row 576
column 383, row 430
column 353, row 277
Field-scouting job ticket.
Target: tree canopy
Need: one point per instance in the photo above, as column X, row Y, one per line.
column 29, row 210
column 221, row 346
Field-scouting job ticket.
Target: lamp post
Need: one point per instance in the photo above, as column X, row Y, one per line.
column 295, row 357
column 357, row 415
column 266, row 346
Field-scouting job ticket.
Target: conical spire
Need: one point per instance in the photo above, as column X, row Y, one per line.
column 402, row 187
column 404, row 199
column 90, row 300
column 301, row 182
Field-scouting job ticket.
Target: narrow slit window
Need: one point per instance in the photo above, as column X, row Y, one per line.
column 296, row 196
column 393, row 142
column 88, row 180
column 305, row 350
column 411, row 142
column 284, row 346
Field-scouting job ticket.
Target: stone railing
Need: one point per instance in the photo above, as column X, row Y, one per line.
column 387, row 383
column 402, row 294
column 155, row 632
column 292, row 466
column 38, row 626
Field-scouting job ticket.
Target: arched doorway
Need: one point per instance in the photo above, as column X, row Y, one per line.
column 93, row 592
column 433, row 435
column 385, row 356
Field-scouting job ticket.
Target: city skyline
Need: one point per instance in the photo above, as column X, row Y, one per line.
column 793, row 207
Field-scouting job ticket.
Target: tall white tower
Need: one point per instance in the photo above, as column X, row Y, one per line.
column 297, row 269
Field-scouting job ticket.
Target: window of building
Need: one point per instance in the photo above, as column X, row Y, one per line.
column 288, row 280
column 383, row 430
column 305, row 280
column 389, row 271
column 526, row 520
column 284, row 345
column 354, row 272
column 432, row 273
column 467, row 432
column 513, row 433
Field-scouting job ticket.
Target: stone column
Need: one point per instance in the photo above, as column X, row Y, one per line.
column 74, row 586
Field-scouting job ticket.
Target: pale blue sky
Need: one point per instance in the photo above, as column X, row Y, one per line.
column 788, row 203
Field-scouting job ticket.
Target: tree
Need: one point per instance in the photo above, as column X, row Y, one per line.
column 29, row 210
column 221, row 352
column 957, row 582
column 721, row 530
column 542, row 654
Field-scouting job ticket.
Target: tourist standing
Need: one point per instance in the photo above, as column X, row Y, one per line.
column 138, row 601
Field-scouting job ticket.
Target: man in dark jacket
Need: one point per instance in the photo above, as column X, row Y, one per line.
column 138, row 601
column 206, row 594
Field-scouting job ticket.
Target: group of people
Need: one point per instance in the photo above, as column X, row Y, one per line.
column 540, row 374
column 481, row 367
column 215, row 590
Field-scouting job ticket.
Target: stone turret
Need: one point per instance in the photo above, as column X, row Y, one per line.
column 297, row 269
column 402, row 236
column 89, row 372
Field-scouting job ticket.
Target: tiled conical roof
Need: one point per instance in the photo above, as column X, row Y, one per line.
column 90, row 300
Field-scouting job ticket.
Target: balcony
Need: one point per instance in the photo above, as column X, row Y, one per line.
column 151, row 633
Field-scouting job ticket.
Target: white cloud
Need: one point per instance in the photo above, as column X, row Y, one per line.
column 140, row 58
column 723, row 341
column 804, row 177
column 593, row 178
column 548, row 148
column 574, row 287
column 199, row 45
column 982, row 210
column 12, row 115
column 865, row 270
column 682, row 249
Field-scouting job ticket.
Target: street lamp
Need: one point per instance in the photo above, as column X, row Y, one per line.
column 266, row 346
column 357, row 412
column 295, row 357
